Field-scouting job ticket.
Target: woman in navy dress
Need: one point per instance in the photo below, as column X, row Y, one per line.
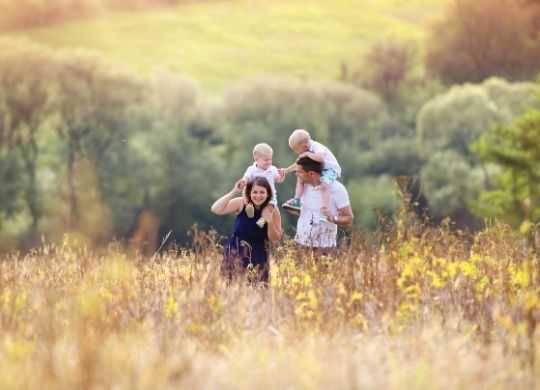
column 247, row 247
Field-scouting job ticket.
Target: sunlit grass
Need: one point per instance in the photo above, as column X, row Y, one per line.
column 219, row 42
column 413, row 307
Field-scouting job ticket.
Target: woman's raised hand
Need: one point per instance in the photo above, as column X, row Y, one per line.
column 239, row 186
column 272, row 217
column 268, row 212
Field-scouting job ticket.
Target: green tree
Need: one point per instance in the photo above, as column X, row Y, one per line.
column 370, row 195
column 176, row 162
column 451, row 183
column 395, row 156
column 515, row 148
column 454, row 119
column 94, row 108
column 25, row 105
column 11, row 188
column 183, row 176
column 452, row 122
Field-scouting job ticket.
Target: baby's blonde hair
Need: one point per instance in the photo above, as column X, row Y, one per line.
column 262, row 149
column 298, row 136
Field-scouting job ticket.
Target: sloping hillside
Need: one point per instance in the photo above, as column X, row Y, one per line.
column 218, row 42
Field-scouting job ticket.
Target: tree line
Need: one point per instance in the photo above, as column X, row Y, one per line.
column 85, row 146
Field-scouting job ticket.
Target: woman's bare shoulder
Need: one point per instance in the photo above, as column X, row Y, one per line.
column 236, row 204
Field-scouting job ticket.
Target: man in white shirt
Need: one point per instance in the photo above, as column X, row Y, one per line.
column 310, row 230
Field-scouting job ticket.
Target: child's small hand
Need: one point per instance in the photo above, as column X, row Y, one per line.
column 282, row 173
column 268, row 212
column 305, row 154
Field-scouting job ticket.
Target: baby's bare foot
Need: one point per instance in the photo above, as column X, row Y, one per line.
column 250, row 210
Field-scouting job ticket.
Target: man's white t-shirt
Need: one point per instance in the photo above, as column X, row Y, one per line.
column 270, row 174
column 309, row 230
column 330, row 161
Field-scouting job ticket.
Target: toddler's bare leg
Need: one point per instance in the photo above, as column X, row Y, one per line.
column 299, row 191
column 325, row 197
column 250, row 210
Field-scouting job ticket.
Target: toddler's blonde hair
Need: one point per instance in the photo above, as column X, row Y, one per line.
column 298, row 136
column 262, row 149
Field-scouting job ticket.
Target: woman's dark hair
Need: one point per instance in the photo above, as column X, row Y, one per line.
column 261, row 182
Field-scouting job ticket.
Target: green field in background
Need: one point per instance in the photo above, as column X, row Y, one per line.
column 219, row 42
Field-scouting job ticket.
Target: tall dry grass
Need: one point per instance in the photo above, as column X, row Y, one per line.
column 408, row 307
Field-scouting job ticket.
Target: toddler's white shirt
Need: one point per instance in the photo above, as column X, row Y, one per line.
column 270, row 174
column 330, row 161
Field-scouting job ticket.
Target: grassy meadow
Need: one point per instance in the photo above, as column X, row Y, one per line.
column 406, row 308
column 219, row 42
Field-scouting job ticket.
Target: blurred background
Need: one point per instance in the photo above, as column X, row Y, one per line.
column 125, row 119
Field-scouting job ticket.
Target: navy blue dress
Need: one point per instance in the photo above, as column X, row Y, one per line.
column 247, row 247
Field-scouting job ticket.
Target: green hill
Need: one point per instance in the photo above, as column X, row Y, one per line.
column 218, row 42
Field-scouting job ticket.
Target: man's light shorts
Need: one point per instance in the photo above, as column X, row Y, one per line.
column 329, row 175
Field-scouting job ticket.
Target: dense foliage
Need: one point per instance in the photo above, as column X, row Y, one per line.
column 88, row 147
column 514, row 195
